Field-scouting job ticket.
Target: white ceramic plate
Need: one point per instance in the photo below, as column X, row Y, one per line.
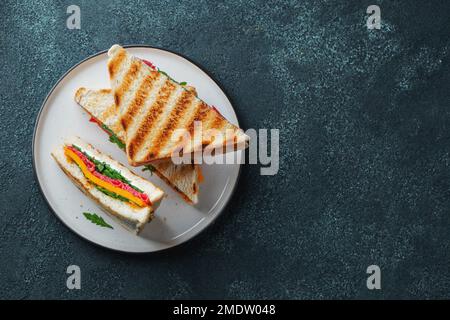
column 60, row 117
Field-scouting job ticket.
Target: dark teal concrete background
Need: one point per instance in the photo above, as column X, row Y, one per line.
column 364, row 117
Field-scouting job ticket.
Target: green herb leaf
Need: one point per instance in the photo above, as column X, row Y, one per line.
column 94, row 218
column 164, row 73
column 100, row 167
column 77, row 147
column 114, row 139
column 149, row 167
column 112, row 194
column 106, row 170
column 107, row 129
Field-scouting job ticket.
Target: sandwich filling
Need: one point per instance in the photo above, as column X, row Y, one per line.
column 151, row 65
column 112, row 136
column 106, row 179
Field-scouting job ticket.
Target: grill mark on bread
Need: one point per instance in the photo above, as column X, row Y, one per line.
column 116, row 99
column 200, row 114
column 181, row 193
column 130, row 75
column 162, row 165
column 208, row 124
column 180, row 171
column 178, row 176
column 218, row 123
column 110, row 111
column 150, row 118
column 171, row 123
column 115, row 62
column 108, row 116
column 163, row 169
column 139, row 99
column 204, row 114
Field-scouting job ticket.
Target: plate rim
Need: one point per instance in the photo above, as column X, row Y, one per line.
column 33, row 153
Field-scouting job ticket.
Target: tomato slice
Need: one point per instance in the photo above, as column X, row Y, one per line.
column 151, row 65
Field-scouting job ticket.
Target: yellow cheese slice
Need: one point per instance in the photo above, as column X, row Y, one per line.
column 72, row 155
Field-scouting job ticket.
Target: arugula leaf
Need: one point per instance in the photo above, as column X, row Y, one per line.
column 149, row 167
column 100, row 167
column 164, row 73
column 114, row 139
column 94, row 218
column 106, row 170
column 106, row 128
column 112, row 194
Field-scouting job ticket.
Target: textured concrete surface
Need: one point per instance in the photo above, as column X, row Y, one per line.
column 365, row 149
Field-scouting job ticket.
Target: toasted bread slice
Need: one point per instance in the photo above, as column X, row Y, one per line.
column 130, row 216
column 152, row 107
column 183, row 178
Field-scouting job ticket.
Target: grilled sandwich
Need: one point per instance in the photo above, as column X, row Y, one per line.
column 99, row 104
column 121, row 193
column 152, row 106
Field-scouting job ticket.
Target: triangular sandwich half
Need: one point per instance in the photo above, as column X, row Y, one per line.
column 118, row 191
column 152, row 106
column 99, row 104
